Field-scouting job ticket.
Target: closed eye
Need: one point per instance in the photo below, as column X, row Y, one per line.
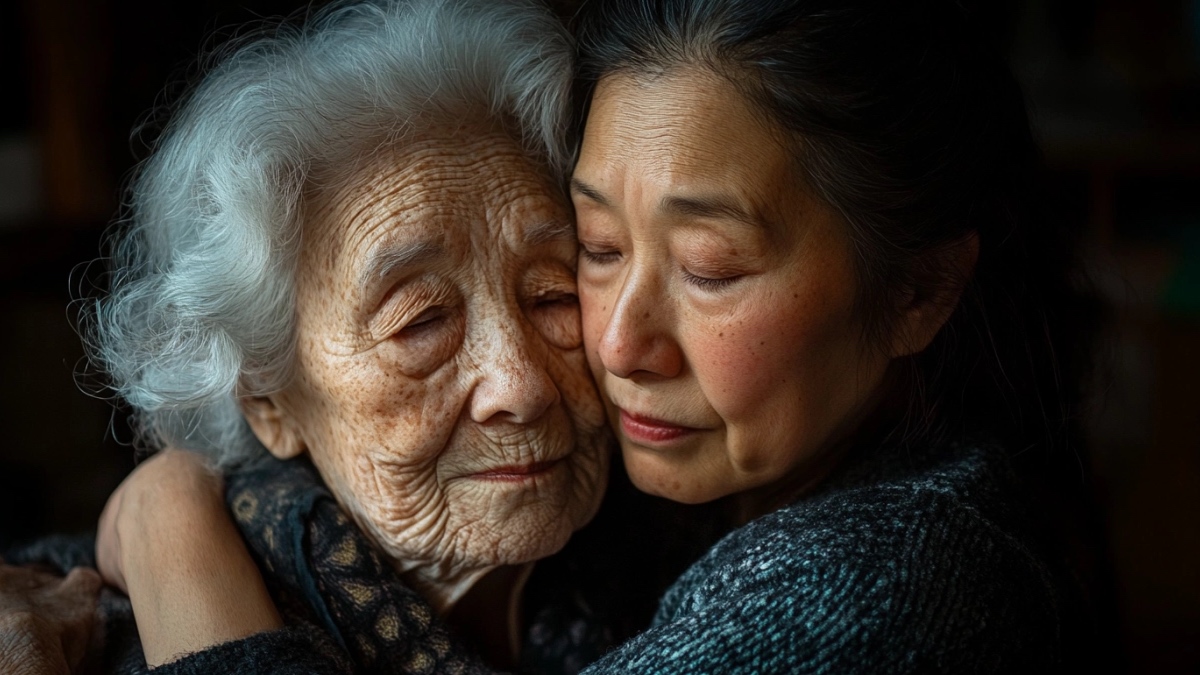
column 599, row 257
column 710, row 283
column 424, row 322
column 552, row 299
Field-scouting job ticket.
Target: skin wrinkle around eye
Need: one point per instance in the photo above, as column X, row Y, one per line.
column 422, row 352
column 506, row 383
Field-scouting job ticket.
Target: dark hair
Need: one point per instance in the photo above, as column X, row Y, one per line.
column 915, row 132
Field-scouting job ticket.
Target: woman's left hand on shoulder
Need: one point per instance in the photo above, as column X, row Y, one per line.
column 148, row 517
column 167, row 540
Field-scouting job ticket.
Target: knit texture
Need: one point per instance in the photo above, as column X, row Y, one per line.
column 903, row 561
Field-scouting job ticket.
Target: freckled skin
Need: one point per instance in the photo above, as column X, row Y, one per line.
column 769, row 370
column 413, row 382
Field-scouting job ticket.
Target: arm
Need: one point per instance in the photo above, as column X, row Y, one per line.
column 214, row 620
column 166, row 539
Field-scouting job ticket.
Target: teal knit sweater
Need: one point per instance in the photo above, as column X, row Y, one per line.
column 902, row 564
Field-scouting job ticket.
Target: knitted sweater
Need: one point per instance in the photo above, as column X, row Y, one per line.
column 902, row 562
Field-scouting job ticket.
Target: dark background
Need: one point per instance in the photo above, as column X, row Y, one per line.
column 1114, row 87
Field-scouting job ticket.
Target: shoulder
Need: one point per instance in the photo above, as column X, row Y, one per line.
column 926, row 555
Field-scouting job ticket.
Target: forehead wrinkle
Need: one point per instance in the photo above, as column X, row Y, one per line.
column 525, row 211
column 420, row 185
column 404, row 215
column 353, row 211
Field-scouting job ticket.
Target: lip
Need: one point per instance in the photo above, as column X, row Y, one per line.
column 651, row 431
column 516, row 473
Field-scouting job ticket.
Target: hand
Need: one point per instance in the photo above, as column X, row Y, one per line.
column 173, row 489
column 166, row 539
column 46, row 621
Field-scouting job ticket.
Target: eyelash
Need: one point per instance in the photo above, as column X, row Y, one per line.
column 599, row 257
column 557, row 298
column 703, row 283
column 709, row 284
column 424, row 321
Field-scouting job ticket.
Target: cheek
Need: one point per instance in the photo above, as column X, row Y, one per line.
column 773, row 359
column 594, row 309
column 375, row 421
column 733, row 365
column 381, row 454
column 569, row 370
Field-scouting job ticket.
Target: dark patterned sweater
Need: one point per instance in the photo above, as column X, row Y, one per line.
column 902, row 562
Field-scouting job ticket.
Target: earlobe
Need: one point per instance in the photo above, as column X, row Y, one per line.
column 272, row 426
column 928, row 311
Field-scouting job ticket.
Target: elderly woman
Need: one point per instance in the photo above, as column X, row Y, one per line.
column 816, row 291
column 351, row 251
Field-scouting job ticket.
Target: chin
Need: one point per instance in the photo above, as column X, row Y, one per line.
column 651, row 474
column 539, row 536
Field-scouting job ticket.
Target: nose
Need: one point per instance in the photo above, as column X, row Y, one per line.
column 637, row 341
column 515, row 384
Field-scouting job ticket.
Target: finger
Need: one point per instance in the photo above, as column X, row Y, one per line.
column 77, row 595
column 83, row 580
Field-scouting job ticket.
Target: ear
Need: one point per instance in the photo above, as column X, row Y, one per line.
column 928, row 310
column 273, row 426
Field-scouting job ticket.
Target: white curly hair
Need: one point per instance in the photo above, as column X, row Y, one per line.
column 200, row 310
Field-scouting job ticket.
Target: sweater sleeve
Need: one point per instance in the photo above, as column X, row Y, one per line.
column 294, row 650
column 896, row 583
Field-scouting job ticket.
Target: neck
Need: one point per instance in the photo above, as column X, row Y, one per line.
column 443, row 589
column 748, row 505
column 483, row 606
column 869, row 428
column 489, row 615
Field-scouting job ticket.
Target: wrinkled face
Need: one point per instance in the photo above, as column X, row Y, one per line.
column 442, row 390
column 717, row 296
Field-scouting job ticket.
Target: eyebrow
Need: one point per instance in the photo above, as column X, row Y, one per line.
column 711, row 206
column 589, row 192
column 702, row 206
column 548, row 231
column 385, row 260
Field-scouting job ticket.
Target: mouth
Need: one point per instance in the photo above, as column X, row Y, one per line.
column 516, row 473
column 651, row 431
